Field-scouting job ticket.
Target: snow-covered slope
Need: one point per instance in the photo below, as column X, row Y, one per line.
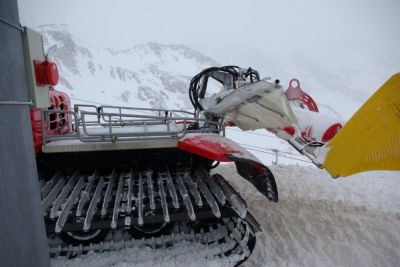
column 145, row 75
column 318, row 221
column 157, row 75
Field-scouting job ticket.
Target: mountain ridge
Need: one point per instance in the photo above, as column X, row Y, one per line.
column 147, row 75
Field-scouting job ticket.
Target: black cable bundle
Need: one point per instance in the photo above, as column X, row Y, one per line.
column 195, row 91
column 194, row 87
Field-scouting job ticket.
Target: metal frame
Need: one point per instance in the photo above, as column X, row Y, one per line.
column 125, row 118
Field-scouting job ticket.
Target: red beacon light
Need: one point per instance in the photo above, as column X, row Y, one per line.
column 46, row 72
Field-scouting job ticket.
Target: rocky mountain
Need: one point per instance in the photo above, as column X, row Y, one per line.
column 145, row 75
column 157, row 75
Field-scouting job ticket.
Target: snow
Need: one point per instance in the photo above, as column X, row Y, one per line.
column 318, row 221
column 184, row 254
column 317, row 123
column 262, row 144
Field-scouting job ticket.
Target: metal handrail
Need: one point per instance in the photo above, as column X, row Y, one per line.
column 120, row 111
column 107, row 121
column 147, row 109
column 161, row 112
column 166, row 120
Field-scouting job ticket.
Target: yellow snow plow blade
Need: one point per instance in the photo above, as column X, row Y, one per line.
column 370, row 140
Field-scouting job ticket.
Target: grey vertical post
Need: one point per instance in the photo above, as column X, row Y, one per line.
column 276, row 156
column 22, row 233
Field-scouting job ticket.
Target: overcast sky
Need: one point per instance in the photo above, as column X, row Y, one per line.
column 214, row 23
column 360, row 34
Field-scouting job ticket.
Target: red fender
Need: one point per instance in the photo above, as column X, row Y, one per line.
column 218, row 148
column 213, row 147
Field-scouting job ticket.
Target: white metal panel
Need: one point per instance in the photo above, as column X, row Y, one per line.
column 32, row 44
column 79, row 146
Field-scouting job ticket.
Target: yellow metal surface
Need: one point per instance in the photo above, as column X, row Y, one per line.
column 371, row 138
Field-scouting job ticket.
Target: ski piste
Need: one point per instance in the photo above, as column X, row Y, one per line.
column 112, row 168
